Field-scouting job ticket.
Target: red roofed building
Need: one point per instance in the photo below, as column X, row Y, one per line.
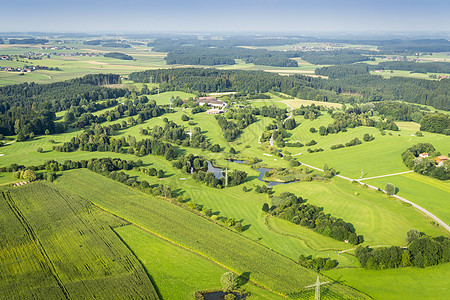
column 423, row 155
column 440, row 160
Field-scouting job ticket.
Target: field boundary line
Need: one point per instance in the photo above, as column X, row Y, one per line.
column 387, row 175
column 181, row 246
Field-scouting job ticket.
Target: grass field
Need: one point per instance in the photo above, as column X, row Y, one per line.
column 57, row 245
column 403, row 283
column 221, row 245
column 425, row 191
column 177, row 272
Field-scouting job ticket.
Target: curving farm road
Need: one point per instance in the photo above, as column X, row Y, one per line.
column 420, row 208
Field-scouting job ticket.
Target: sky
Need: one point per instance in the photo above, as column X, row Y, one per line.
column 293, row 16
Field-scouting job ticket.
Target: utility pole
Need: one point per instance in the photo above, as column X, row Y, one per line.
column 317, row 286
column 226, row 176
column 190, row 134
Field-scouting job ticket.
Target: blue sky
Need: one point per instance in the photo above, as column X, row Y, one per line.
column 225, row 16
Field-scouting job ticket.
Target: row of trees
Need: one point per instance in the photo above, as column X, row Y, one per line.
column 289, row 207
column 422, row 251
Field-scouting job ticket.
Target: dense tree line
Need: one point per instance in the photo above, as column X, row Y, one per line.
column 422, row 252
column 31, row 107
column 227, row 55
column 398, row 111
column 426, row 166
column 118, row 55
column 30, row 41
column 437, row 123
column 368, row 87
column 292, row 208
column 336, row 57
column 344, row 70
column 275, row 62
column 415, row 67
column 92, row 42
column 116, row 45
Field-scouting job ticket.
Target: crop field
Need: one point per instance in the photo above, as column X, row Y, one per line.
column 57, row 245
column 182, row 227
column 178, row 272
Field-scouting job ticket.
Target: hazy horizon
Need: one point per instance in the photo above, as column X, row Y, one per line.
column 251, row 16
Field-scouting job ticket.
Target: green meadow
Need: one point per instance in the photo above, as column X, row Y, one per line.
column 189, row 230
column 403, row 283
column 178, row 272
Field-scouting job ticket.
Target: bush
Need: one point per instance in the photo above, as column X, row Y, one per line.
column 39, row 149
column 228, row 281
column 29, row 175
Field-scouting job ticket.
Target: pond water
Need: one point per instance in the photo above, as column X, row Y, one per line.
column 263, row 171
column 236, row 161
column 217, row 171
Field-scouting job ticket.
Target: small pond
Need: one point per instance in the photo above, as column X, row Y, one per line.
column 216, row 171
column 263, row 171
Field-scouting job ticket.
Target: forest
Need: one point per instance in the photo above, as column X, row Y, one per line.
column 371, row 88
column 364, row 69
column 27, row 41
column 30, row 108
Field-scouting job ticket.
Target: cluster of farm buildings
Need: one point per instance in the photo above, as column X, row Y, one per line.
column 439, row 160
column 217, row 106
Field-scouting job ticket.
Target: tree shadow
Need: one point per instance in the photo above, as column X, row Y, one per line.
column 246, row 227
column 243, row 278
column 250, row 178
column 397, row 190
column 178, row 192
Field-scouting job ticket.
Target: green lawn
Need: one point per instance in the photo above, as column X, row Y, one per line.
column 403, row 283
column 425, row 191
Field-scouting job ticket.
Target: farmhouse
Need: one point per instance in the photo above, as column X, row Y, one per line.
column 423, row 155
column 210, row 101
column 213, row 111
column 440, row 160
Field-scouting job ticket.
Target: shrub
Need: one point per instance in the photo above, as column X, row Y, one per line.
column 228, row 281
